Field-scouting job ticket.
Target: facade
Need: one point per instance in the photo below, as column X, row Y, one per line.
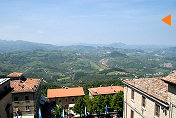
column 26, row 97
column 65, row 96
column 150, row 98
column 105, row 90
column 5, row 98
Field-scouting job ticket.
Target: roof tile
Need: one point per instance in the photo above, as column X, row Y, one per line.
column 170, row 78
column 152, row 86
column 29, row 85
column 15, row 74
column 65, row 92
column 105, row 90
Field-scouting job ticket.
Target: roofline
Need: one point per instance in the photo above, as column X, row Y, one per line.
column 66, row 96
column 104, row 87
column 152, row 97
column 107, row 93
column 24, row 92
column 63, row 88
column 168, row 82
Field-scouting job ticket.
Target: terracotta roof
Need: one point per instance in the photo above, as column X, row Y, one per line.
column 152, row 86
column 65, row 92
column 15, row 74
column 29, row 85
column 105, row 90
column 170, row 78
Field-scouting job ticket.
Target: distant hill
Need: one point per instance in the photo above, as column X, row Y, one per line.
column 116, row 45
column 171, row 52
column 10, row 46
column 19, row 45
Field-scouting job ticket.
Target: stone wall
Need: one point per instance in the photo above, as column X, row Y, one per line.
column 136, row 106
column 172, row 100
column 5, row 100
column 3, row 104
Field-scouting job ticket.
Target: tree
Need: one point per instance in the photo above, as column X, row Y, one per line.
column 79, row 106
column 89, row 103
column 107, row 100
column 58, row 111
column 117, row 101
column 99, row 104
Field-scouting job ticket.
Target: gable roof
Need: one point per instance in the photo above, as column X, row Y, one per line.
column 152, row 86
column 65, row 92
column 30, row 85
column 105, row 90
column 15, row 74
column 170, row 78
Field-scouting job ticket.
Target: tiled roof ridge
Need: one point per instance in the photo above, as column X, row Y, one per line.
column 152, row 86
column 105, row 90
column 171, row 78
column 15, row 74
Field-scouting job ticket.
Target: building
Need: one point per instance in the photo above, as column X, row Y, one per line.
column 171, row 81
column 65, row 96
column 5, row 98
column 16, row 76
column 150, row 97
column 26, row 97
column 105, row 90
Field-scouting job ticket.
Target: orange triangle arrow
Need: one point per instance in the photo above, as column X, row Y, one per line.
column 167, row 19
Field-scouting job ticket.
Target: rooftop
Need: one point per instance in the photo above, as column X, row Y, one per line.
column 15, row 74
column 106, row 90
column 152, row 86
column 65, row 92
column 170, row 78
column 3, row 80
column 30, row 85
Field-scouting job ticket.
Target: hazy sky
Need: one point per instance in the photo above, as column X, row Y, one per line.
column 88, row 21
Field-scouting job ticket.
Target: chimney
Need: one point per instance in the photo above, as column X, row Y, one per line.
column 111, row 86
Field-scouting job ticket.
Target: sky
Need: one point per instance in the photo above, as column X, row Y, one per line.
column 63, row 22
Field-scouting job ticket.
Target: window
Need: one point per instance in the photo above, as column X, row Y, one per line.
column 27, row 108
column 132, row 94
column 26, row 97
column 59, row 100
column 66, row 100
column 157, row 110
column 132, row 114
column 15, row 98
column 73, row 99
column 143, row 101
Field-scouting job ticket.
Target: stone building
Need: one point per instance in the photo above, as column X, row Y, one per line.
column 150, row 97
column 5, row 98
column 26, row 97
column 105, row 90
column 65, row 96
